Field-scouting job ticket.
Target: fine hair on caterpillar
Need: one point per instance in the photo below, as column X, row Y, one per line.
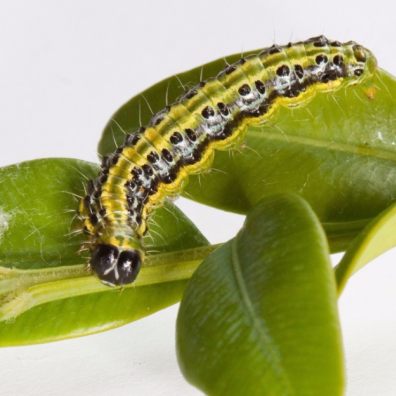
column 180, row 140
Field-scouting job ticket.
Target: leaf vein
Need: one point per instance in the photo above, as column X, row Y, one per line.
column 258, row 325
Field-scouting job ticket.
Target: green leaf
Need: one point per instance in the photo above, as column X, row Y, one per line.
column 259, row 316
column 378, row 237
column 46, row 292
column 337, row 151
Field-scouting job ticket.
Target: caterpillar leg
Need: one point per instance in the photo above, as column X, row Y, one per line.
column 114, row 267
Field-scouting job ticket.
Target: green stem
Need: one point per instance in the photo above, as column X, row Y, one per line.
column 21, row 290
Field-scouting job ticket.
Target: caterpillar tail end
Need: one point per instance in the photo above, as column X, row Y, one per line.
column 115, row 267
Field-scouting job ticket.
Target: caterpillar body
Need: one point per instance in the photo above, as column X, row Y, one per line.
column 180, row 140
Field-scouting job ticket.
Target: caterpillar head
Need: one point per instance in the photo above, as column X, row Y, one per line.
column 115, row 266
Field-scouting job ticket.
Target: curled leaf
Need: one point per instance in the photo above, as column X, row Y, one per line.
column 259, row 316
column 378, row 237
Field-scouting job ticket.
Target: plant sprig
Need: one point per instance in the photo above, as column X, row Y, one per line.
column 260, row 312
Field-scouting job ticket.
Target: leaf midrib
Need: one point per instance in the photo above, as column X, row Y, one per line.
column 355, row 149
column 258, row 325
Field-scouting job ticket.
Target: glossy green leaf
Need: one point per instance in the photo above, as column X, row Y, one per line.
column 41, row 268
column 338, row 151
column 259, row 316
column 378, row 237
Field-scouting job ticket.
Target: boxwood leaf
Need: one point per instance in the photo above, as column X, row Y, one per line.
column 46, row 292
column 259, row 316
column 337, row 151
column 376, row 238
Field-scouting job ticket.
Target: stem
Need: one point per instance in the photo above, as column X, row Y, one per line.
column 21, row 290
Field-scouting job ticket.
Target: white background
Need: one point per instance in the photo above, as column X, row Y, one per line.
column 65, row 66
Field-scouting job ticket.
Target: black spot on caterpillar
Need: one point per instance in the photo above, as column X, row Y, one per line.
column 180, row 140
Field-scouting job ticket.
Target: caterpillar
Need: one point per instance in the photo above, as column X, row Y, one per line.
column 156, row 160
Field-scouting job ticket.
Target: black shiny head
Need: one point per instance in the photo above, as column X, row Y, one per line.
column 115, row 267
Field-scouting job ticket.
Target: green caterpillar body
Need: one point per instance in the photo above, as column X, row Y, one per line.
column 180, row 140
